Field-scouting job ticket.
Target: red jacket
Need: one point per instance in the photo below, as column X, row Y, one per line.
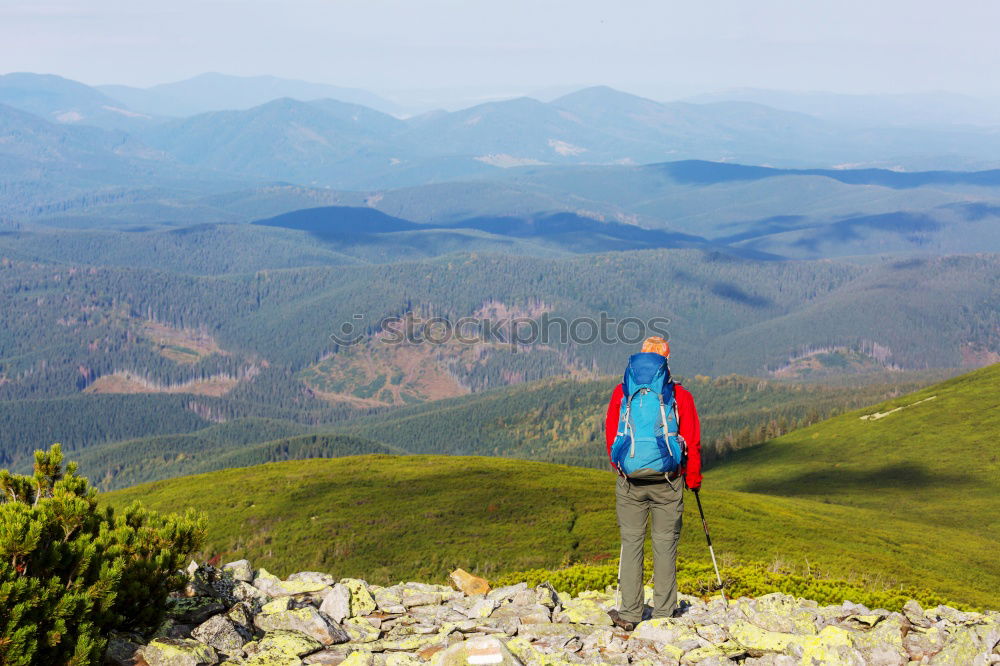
column 688, row 427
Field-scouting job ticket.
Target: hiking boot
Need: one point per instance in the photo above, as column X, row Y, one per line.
column 619, row 622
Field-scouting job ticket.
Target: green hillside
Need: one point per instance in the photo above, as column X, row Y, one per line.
column 394, row 518
column 931, row 457
column 849, row 498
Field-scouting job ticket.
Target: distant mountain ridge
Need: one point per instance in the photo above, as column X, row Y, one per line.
column 213, row 91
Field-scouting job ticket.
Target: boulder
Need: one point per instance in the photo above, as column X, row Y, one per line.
column 337, row 603
column 120, row 651
column 478, row 650
column 388, row 599
column 670, row 631
column 287, row 642
column 583, row 611
column 308, row 621
column 362, row 602
column 273, row 586
column 360, row 630
column 193, row 610
column 178, row 652
column 239, row 570
column 468, row 584
column 507, row 593
column 223, row 634
column 525, row 613
column 326, row 580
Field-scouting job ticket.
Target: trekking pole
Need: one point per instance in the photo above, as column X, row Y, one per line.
column 708, row 538
column 618, row 587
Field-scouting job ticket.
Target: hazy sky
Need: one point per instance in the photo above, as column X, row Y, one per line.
column 839, row 45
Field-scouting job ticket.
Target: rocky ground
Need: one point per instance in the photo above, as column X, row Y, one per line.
column 238, row 615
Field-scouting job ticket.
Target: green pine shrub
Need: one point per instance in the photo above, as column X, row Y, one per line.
column 71, row 571
column 741, row 580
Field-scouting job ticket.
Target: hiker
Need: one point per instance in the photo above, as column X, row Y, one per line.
column 654, row 444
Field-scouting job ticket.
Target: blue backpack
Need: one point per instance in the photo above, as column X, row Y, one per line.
column 647, row 445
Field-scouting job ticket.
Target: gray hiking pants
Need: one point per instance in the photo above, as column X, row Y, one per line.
column 635, row 501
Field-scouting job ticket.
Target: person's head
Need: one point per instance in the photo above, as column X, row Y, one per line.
column 657, row 345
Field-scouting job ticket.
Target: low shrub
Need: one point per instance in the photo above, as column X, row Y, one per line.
column 71, row 571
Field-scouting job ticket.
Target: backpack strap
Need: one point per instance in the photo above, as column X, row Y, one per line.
column 663, row 416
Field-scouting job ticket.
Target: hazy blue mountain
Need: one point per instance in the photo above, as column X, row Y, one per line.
column 61, row 100
column 53, row 168
column 219, row 92
column 351, row 147
column 284, row 139
column 910, row 109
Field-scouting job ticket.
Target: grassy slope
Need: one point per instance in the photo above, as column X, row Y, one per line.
column 389, row 517
column 935, row 463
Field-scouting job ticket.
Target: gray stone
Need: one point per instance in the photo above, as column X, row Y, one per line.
column 337, row 603
column 507, row 593
column 243, row 591
column 478, row 650
column 223, row 634
column 194, row 610
column 288, row 642
column 240, row 570
column 308, row 621
column 178, row 652
column 120, row 651
column 273, row 586
column 526, row 614
column 241, row 614
column 326, row 580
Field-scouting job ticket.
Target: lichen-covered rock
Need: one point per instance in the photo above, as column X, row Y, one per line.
column 239, row 570
column 273, row 586
column 288, row 642
column 502, row 594
column 922, row 644
column 883, row 644
column 120, row 651
column 337, row 603
column 317, row 577
column 193, row 610
column 308, row 621
column 477, row 650
column 276, row 605
column 413, row 598
column 973, row 645
column 334, row 654
column 388, row 599
column 481, row 608
column 468, row 584
column 223, row 634
column 669, row 631
column 547, row 596
column 583, row 611
column 241, row 614
column 360, row 630
column 362, row 602
column 351, row 622
column 178, row 652
column 244, row 591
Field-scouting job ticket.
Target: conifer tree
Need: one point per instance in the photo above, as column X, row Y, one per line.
column 70, row 571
